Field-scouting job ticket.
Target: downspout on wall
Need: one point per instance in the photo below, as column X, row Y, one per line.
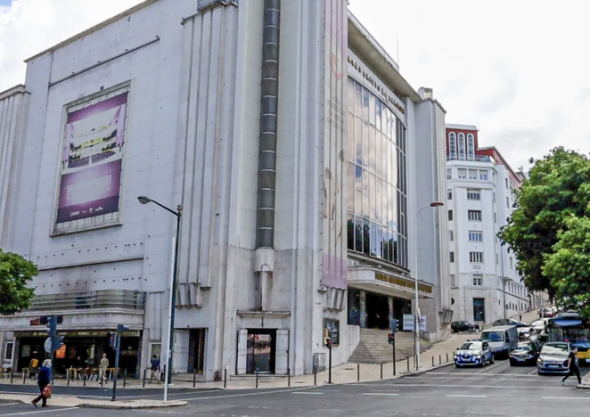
column 267, row 159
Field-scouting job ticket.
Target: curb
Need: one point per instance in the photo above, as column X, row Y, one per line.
column 134, row 406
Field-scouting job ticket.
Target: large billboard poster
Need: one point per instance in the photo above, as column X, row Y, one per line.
column 91, row 163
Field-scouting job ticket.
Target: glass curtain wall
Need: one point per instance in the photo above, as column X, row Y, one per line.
column 377, row 182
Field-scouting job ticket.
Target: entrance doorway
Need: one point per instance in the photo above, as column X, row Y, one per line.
column 261, row 351
column 377, row 307
column 196, row 350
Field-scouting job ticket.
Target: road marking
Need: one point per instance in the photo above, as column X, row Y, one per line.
column 479, row 377
column 532, row 372
column 307, row 393
column 8, row 404
column 464, row 374
column 28, row 413
column 386, row 394
column 249, row 394
column 487, row 369
column 467, row 396
column 476, row 386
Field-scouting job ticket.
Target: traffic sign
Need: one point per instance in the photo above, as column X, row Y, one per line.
column 48, row 345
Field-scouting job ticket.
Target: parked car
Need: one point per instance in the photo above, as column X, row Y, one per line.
column 464, row 326
column 502, row 339
column 547, row 312
column 473, row 354
column 524, row 354
column 510, row 322
column 553, row 358
column 540, row 324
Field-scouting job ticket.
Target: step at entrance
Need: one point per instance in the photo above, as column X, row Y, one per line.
column 374, row 347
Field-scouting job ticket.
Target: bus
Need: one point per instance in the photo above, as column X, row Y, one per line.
column 573, row 328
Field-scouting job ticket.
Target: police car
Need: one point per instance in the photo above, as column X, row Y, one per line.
column 473, row 353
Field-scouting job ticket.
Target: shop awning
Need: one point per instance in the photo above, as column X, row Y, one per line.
column 381, row 282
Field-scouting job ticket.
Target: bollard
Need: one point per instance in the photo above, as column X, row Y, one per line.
column 24, row 378
column 256, row 378
column 289, row 377
column 440, row 359
column 315, row 375
column 144, row 376
column 84, row 379
column 102, row 379
column 195, row 377
column 358, row 372
column 11, row 375
column 408, row 363
column 68, row 376
column 433, row 361
column 224, row 378
column 124, row 378
column 381, row 370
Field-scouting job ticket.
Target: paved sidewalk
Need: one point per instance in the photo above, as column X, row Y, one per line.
column 70, row 401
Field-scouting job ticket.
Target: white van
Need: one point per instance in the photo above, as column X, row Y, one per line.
column 502, row 339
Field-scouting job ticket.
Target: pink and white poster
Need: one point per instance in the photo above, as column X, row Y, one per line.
column 91, row 163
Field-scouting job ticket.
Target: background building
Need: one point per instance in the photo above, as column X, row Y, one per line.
column 485, row 283
column 289, row 137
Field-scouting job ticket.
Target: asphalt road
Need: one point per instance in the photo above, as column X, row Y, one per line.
column 497, row 390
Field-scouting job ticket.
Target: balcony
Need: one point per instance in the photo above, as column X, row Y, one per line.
column 90, row 300
column 477, row 158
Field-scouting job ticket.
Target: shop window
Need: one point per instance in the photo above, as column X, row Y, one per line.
column 479, row 313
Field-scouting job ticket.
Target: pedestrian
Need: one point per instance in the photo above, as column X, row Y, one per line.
column 572, row 364
column 43, row 380
column 155, row 368
column 102, row 370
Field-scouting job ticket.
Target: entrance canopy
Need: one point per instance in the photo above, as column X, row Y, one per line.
column 380, row 282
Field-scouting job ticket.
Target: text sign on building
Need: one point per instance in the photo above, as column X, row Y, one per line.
column 366, row 77
column 403, row 283
column 91, row 165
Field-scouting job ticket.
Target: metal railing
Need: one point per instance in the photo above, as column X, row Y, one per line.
column 129, row 300
column 477, row 158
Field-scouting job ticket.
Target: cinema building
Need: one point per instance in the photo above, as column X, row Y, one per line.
column 304, row 162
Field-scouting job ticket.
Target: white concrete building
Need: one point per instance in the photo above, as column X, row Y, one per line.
column 265, row 121
column 485, row 283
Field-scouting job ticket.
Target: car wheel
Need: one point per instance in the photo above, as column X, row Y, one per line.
column 512, row 363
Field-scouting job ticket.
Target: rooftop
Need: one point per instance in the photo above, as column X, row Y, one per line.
column 461, row 127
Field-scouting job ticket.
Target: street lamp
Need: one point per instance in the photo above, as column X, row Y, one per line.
column 417, row 315
column 168, row 376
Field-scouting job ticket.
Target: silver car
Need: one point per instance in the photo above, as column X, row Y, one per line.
column 553, row 358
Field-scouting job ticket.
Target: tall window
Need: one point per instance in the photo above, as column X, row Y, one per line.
column 478, row 280
column 470, row 147
column 479, row 309
column 475, row 236
column 461, row 146
column 452, row 146
column 451, row 257
column 376, row 178
column 450, row 215
column 451, row 235
column 8, row 351
column 453, row 280
column 506, row 180
column 449, row 194
column 474, row 215
column 476, row 257
column 473, row 195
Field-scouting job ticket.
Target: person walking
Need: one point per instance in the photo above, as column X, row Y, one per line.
column 155, row 366
column 102, row 370
column 572, row 364
column 43, row 380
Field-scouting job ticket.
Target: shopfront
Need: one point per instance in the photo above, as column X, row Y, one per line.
column 375, row 311
column 80, row 350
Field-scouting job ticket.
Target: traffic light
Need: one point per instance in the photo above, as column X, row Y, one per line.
column 396, row 324
column 113, row 340
column 51, row 324
column 390, row 338
column 328, row 343
column 121, row 328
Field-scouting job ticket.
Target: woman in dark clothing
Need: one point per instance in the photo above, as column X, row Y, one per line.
column 43, row 380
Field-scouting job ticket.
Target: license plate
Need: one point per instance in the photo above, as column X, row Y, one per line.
column 553, row 366
column 520, row 359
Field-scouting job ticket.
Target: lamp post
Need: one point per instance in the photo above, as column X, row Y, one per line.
column 172, row 308
column 503, row 278
column 417, row 311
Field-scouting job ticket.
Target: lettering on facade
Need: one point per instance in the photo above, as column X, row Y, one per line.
column 403, row 283
column 382, row 90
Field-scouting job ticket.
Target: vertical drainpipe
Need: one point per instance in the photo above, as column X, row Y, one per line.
column 267, row 159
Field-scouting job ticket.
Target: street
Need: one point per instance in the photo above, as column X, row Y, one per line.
column 497, row 390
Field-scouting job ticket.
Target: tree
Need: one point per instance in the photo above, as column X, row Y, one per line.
column 15, row 273
column 568, row 266
column 558, row 188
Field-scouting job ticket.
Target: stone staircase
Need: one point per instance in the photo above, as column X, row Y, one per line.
column 374, row 347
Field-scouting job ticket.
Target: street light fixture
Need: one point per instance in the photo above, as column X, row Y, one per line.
column 417, row 311
column 172, row 309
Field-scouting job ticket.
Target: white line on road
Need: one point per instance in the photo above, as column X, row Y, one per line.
column 464, row 374
column 565, row 398
column 381, row 394
column 467, row 396
column 479, row 377
column 249, row 394
column 532, row 372
column 307, row 393
column 8, row 404
column 28, row 413
column 475, row 386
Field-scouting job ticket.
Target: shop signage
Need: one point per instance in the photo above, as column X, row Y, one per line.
column 374, row 81
column 403, row 283
column 84, row 333
column 408, row 324
column 333, row 331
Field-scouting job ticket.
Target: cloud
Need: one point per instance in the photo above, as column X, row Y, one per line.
column 28, row 27
column 505, row 85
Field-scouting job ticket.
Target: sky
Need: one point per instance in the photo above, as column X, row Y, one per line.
column 518, row 70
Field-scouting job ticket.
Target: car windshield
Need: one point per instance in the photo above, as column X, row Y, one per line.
column 558, row 348
column 471, row 346
column 523, row 347
column 493, row 336
column 538, row 323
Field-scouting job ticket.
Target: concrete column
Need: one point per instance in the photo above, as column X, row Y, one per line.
column 363, row 310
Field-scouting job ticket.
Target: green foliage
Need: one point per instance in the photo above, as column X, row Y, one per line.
column 568, row 266
column 558, row 188
column 15, row 273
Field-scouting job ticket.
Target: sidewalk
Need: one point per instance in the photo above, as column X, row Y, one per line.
column 72, row 402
